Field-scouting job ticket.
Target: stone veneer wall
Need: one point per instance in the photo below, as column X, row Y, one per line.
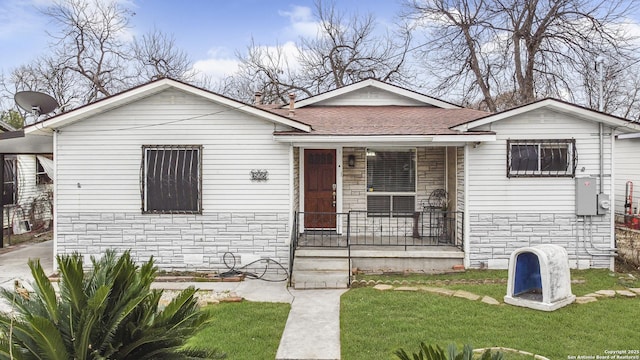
column 354, row 180
column 628, row 243
column 496, row 236
column 178, row 242
column 431, row 173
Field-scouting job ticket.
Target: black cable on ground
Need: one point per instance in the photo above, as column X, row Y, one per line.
column 240, row 271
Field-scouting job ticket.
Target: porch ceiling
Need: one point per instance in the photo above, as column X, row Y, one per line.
column 15, row 142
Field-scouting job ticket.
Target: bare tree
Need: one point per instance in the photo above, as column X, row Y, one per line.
column 510, row 52
column 272, row 70
column 90, row 42
column 348, row 50
column 157, row 56
column 94, row 55
column 344, row 51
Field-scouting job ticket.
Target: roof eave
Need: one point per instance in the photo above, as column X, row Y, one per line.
column 380, row 85
column 555, row 105
column 149, row 89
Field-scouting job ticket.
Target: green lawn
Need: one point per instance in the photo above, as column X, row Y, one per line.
column 374, row 324
column 245, row 330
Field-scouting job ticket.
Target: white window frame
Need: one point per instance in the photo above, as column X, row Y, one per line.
column 391, row 194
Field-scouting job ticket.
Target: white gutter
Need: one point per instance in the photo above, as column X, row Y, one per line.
column 56, row 186
column 364, row 139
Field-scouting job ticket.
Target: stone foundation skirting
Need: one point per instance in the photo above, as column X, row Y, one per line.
column 493, row 237
column 178, row 242
column 628, row 244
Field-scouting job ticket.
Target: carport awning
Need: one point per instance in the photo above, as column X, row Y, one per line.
column 15, row 142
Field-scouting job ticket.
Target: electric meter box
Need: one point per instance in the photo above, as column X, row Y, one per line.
column 586, row 196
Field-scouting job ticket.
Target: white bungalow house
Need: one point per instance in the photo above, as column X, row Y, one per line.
column 370, row 175
column 27, row 184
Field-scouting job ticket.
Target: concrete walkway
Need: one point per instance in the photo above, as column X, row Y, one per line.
column 13, row 262
column 313, row 326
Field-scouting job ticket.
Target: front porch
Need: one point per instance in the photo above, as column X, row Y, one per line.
column 428, row 241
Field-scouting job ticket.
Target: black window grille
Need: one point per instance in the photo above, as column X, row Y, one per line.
column 541, row 158
column 172, row 179
column 10, row 181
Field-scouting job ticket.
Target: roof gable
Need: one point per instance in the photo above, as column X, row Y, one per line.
column 386, row 94
column 149, row 89
column 558, row 106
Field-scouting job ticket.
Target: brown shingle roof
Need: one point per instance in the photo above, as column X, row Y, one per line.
column 380, row 120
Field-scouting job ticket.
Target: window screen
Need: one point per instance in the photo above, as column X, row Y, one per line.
column 391, row 182
column 172, row 180
column 391, row 171
column 541, row 158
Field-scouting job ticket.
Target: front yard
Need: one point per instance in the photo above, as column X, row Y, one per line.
column 376, row 323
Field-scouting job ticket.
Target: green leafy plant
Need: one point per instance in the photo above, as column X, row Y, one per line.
column 428, row 352
column 110, row 312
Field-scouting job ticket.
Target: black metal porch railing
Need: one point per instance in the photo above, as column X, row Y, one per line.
column 420, row 228
column 431, row 227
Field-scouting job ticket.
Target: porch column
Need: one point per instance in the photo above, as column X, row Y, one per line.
column 452, row 178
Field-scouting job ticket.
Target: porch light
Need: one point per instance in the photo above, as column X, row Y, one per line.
column 351, row 161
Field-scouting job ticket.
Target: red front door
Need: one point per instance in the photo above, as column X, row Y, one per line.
column 320, row 189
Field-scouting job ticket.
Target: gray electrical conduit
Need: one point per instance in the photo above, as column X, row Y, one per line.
column 590, row 237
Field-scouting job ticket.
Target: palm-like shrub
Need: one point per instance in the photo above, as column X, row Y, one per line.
column 110, row 312
column 428, row 352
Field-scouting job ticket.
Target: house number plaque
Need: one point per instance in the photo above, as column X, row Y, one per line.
column 259, row 175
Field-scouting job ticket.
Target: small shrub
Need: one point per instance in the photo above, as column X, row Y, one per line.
column 110, row 312
column 428, row 352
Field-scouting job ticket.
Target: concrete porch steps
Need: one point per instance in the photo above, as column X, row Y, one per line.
column 315, row 268
column 325, row 269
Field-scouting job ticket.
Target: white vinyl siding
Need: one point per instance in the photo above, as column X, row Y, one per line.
column 627, row 168
column 99, row 158
column 491, row 191
column 369, row 96
column 28, row 193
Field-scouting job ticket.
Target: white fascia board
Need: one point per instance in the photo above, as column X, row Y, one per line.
column 383, row 139
column 628, row 136
column 555, row 105
column 99, row 107
column 465, row 138
column 151, row 89
column 244, row 107
column 380, row 85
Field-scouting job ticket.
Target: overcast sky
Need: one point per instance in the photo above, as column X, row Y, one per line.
column 210, row 31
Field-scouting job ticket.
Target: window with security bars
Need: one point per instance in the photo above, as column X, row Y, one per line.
column 541, row 158
column 172, row 179
column 391, row 182
column 10, row 181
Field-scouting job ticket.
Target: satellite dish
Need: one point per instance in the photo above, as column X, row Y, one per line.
column 36, row 102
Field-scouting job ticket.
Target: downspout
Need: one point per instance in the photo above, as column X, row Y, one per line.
column 467, row 227
column 612, row 222
column 55, row 199
column 601, row 127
